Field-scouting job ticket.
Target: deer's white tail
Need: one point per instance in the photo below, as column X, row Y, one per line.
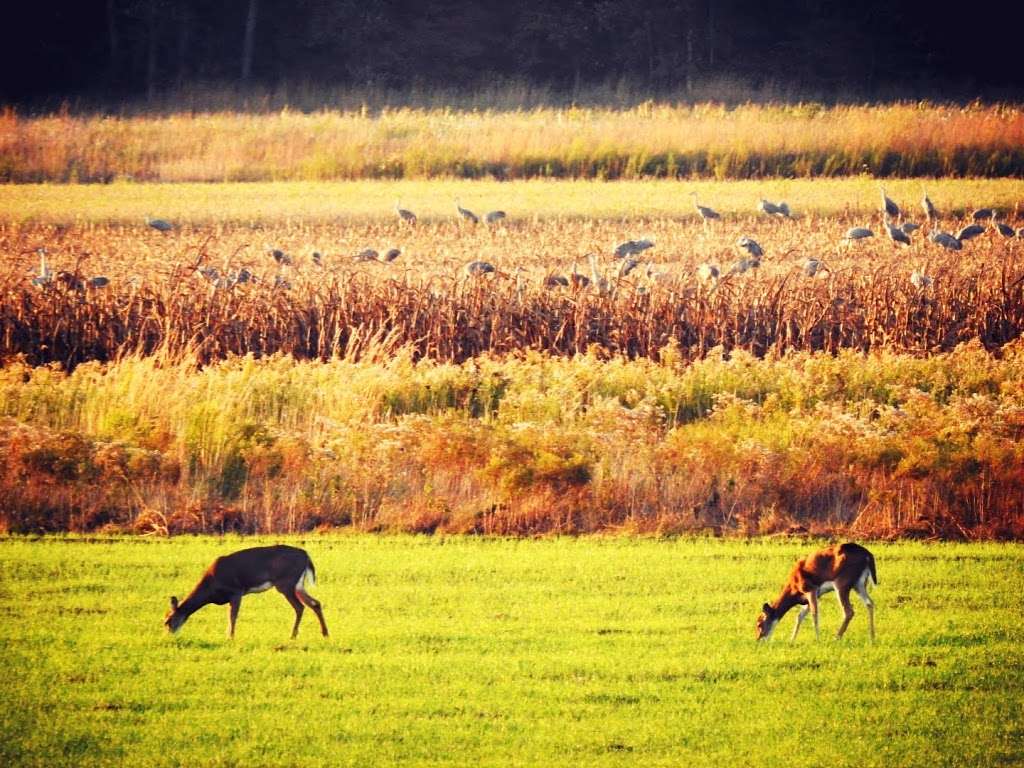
column 308, row 576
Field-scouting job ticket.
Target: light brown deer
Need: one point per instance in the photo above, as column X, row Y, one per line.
column 840, row 568
column 251, row 570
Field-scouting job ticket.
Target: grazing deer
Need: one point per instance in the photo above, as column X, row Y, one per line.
column 840, row 568
column 251, row 570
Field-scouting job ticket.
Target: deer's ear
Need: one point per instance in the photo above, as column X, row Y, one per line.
column 174, row 603
column 766, row 608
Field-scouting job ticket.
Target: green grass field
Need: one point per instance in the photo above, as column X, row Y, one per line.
column 498, row 652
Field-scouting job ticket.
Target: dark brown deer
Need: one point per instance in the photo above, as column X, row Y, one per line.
column 251, row 570
column 840, row 568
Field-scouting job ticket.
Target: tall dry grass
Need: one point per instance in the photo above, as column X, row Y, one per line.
column 867, row 445
column 647, row 141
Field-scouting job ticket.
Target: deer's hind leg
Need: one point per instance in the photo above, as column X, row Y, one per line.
column 313, row 603
column 844, row 600
column 862, row 593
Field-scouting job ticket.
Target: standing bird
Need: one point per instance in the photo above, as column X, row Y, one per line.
column 391, row 254
column 556, row 281
column 707, row 214
column 1004, row 229
column 405, row 215
column 280, row 256
column 45, row 276
column 751, row 247
column 708, row 273
column 367, row 254
column 493, row 217
column 466, row 214
column 858, row 233
column 970, row 231
column 478, row 268
column 919, row 279
column 897, row 235
column 632, row 248
column 946, row 240
column 774, row 209
column 982, row 214
column 813, row 266
column 627, row 266
column 577, row 279
column 161, row 225
column 929, row 210
column 910, row 227
column 888, row 206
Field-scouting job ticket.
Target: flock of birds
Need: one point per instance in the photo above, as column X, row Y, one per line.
column 895, row 226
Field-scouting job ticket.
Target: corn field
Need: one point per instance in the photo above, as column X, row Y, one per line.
column 73, row 293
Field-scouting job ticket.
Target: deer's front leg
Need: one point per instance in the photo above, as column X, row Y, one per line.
column 233, row 607
column 799, row 620
column 812, row 601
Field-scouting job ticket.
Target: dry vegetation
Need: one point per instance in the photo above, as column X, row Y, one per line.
column 412, row 396
column 179, row 292
column 647, row 141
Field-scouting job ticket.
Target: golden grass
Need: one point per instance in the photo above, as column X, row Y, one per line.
column 289, row 203
column 650, row 140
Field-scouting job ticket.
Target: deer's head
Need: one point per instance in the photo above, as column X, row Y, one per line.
column 174, row 618
column 766, row 622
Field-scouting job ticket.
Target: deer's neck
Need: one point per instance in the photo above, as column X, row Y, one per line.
column 788, row 599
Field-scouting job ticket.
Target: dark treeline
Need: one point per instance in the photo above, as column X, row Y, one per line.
column 141, row 48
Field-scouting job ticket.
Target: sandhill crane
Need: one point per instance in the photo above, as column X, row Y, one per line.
column 910, row 227
column 556, row 281
column 707, row 273
column 946, row 240
column 466, row 215
column 627, row 266
column 744, row 264
column 317, row 258
column 813, row 266
column 858, row 233
column 390, row 255
column 493, row 217
column 919, row 279
column 929, row 210
column 1004, row 229
column 632, row 248
column 577, row 279
column 208, row 273
column 897, row 235
column 707, row 214
column 478, row 268
column 888, row 206
column 280, row 256
column 160, row 224
column 45, row 275
column 405, row 215
column 982, row 214
column 367, row 254
column 969, row 232
column 596, row 280
column 99, row 281
column 774, row 209
column 750, row 246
